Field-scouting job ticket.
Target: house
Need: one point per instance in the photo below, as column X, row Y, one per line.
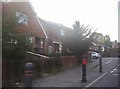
column 95, row 47
column 56, row 35
column 27, row 23
column 115, row 44
column 118, row 45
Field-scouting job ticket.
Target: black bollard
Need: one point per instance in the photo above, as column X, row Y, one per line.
column 28, row 74
column 100, row 59
column 84, row 62
column 100, row 65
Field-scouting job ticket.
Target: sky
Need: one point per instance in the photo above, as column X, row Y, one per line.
column 99, row 14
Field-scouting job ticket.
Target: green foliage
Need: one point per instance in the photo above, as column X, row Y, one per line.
column 102, row 40
column 14, row 44
column 83, row 31
column 97, row 38
column 107, row 40
column 79, row 41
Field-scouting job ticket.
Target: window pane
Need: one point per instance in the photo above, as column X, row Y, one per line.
column 21, row 18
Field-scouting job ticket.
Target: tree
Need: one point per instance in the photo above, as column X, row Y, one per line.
column 14, row 44
column 98, row 38
column 79, row 41
column 107, row 42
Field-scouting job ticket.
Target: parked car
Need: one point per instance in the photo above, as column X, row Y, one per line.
column 95, row 55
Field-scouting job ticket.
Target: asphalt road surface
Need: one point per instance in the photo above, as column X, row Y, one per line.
column 109, row 78
column 72, row 77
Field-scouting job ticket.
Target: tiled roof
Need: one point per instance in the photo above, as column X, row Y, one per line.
column 33, row 27
column 53, row 30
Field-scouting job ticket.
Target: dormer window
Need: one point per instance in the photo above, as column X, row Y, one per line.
column 62, row 32
column 21, row 18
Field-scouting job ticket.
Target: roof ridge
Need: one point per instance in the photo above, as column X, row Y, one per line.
column 37, row 18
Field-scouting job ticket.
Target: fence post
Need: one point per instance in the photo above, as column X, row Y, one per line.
column 28, row 74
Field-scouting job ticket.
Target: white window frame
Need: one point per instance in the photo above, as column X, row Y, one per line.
column 41, row 43
column 22, row 18
column 29, row 39
column 12, row 40
column 62, row 32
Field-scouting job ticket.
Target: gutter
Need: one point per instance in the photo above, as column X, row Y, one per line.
column 32, row 53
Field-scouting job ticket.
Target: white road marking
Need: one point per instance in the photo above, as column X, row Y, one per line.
column 96, row 80
column 115, row 69
column 115, row 74
column 111, row 72
column 108, row 61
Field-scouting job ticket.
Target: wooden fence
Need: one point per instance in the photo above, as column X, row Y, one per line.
column 13, row 70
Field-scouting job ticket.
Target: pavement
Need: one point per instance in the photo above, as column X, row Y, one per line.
column 72, row 77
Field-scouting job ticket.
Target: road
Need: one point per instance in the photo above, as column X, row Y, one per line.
column 72, row 77
column 109, row 78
